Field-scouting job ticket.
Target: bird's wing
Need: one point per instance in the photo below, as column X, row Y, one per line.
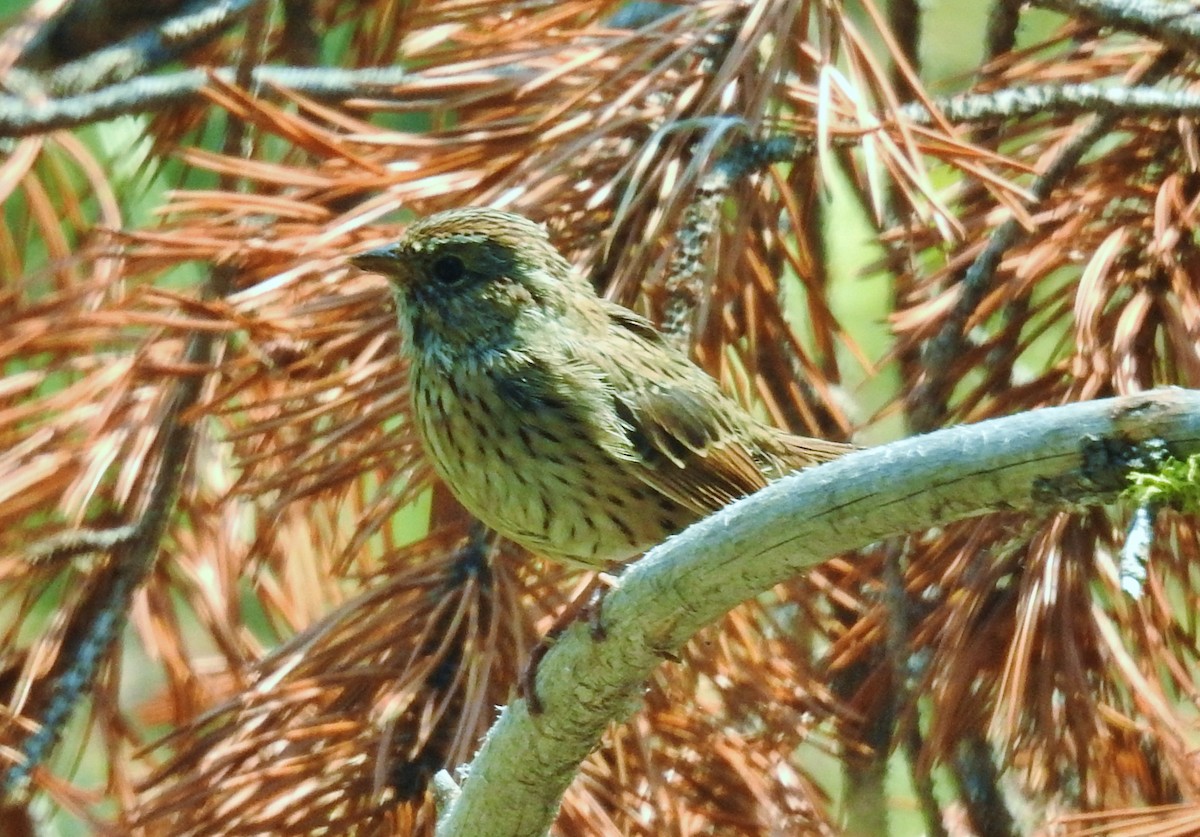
column 678, row 421
column 685, row 457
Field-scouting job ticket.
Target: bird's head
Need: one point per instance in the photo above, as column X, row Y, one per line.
column 470, row 280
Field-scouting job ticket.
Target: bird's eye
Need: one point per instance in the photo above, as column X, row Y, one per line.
column 449, row 269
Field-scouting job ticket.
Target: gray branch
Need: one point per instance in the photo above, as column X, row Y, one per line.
column 1175, row 24
column 195, row 23
column 515, row 783
column 1036, row 99
column 21, row 117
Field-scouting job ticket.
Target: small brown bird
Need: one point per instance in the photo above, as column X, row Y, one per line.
column 561, row 420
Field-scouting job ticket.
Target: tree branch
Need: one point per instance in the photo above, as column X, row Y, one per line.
column 21, row 117
column 1038, row 99
column 1174, row 24
column 134, row 548
column 195, row 23
column 514, row 785
column 930, row 396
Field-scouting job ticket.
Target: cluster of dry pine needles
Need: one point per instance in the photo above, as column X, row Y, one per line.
column 297, row 659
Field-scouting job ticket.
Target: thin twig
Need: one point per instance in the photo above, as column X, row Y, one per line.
column 20, row 117
column 684, row 285
column 979, row 784
column 1003, row 20
column 196, row 24
column 133, row 557
column 1040, row 99
column 1173, row 24
column 928, row 398
column 901, row 660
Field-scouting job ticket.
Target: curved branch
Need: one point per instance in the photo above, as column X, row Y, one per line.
column 1030, row 460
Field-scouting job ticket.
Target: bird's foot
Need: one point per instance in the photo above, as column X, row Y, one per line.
column 589, row 602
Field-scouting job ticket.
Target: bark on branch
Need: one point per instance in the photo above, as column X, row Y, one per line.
column 1022, row 462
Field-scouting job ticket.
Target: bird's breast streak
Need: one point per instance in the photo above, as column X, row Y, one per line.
column 522, row 460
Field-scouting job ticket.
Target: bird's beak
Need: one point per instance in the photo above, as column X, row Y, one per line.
column 380, row 260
